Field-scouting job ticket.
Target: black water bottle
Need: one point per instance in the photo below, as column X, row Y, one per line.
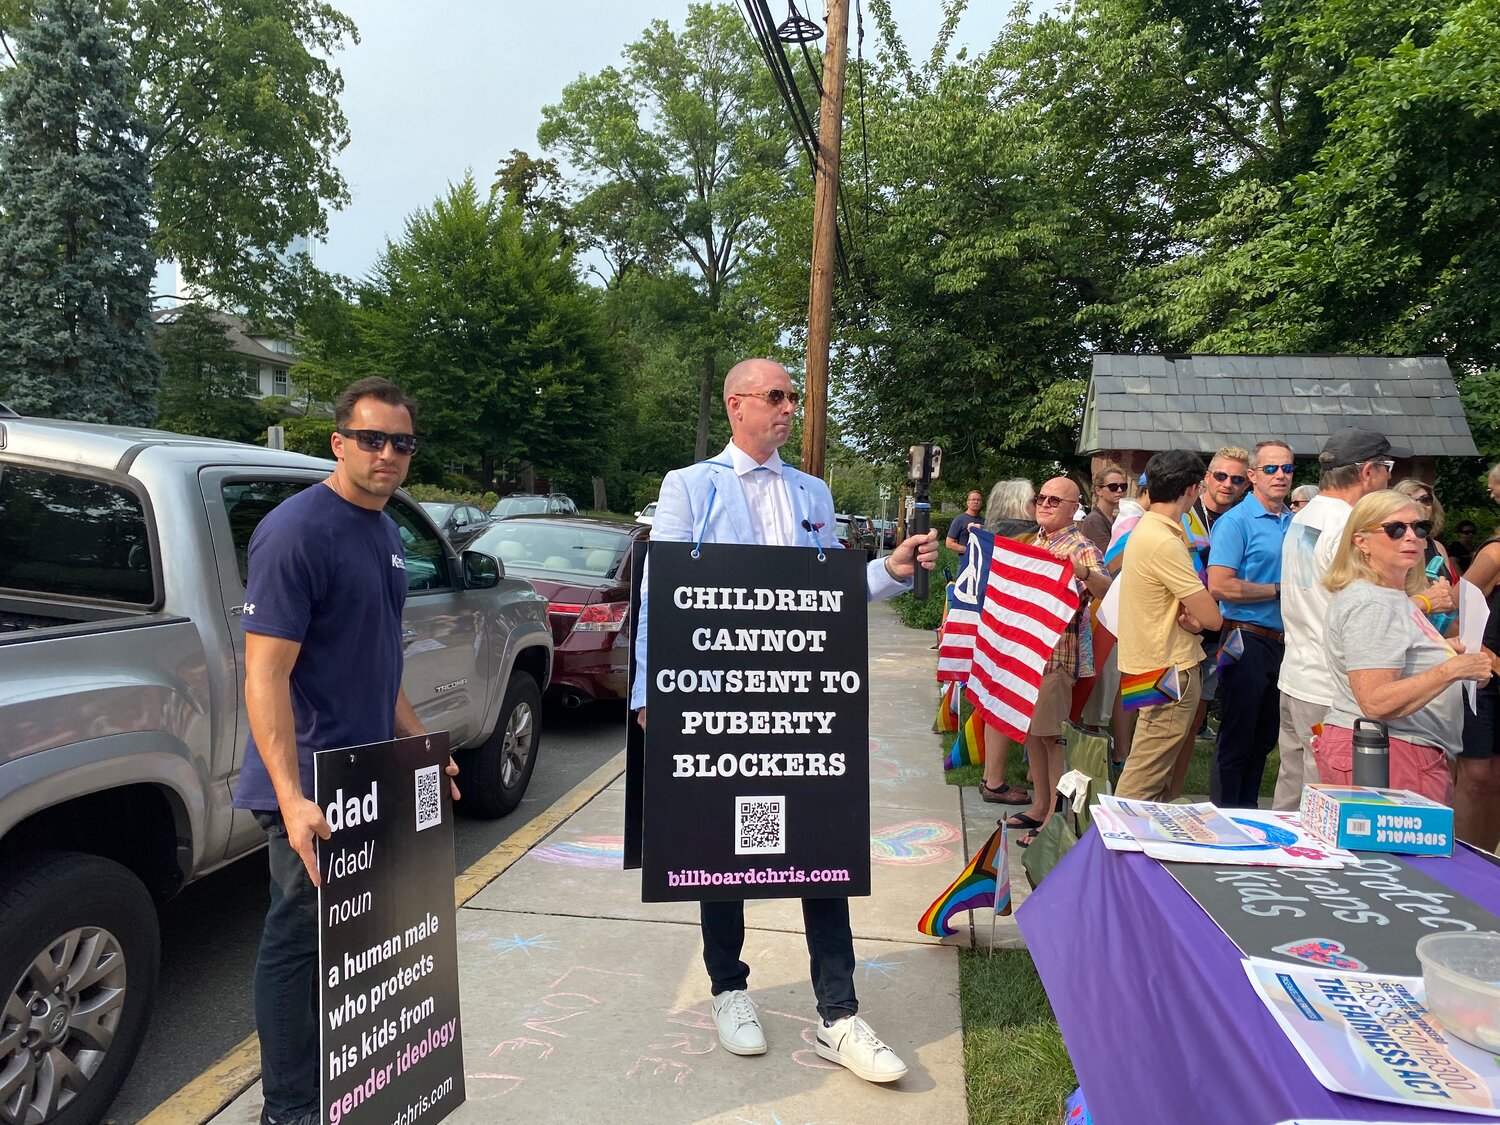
column 1372, row 754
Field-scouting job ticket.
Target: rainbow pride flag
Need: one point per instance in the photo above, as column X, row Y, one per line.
column 984, row 884
column 1150, row 689
column 947, row 712
column 968, row 744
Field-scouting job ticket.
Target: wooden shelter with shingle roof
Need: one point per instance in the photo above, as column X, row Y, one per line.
column 1138, row 405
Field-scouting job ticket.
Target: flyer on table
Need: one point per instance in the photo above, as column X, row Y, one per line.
column 1190, row 827
column 1372, row 1036
column 1280, row 841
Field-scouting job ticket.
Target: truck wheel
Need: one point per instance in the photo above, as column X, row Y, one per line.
column 500, row 770
column 79, row 952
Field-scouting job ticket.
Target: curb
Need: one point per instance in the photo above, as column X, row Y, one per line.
column 203, row 1097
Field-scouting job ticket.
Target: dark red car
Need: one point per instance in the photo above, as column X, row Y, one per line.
column 581, row 565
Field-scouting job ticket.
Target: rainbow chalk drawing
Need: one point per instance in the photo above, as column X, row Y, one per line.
column 586, row 851
column 912, row 843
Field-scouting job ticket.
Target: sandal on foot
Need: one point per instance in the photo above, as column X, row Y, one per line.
column 1027, row 840
column 1023, row 820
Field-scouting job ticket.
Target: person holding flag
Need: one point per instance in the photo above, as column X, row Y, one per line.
column 1164, row 605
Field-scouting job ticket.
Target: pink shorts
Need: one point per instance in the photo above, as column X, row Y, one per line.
column 1414, row 767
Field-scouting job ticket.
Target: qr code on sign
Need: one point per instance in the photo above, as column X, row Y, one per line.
column 759, row 825
column 429, row 797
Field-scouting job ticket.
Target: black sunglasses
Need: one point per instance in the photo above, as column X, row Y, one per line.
column 775, row 397
column 1425, row 498
column 373, row 441
column 1221, row 477
column 1120, row 487
column 1396, row 529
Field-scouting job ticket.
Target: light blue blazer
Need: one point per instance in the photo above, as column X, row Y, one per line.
column 704, row 503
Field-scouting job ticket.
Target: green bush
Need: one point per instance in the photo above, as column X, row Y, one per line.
column 927, row 614
column 440, row 494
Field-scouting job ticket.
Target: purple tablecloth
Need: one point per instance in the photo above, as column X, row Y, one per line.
column 1160, row 1020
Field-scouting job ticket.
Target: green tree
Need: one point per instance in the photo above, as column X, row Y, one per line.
column 75, row 265
column 485, row 321
column 683, row 151
column 205, row 386
column 242, row 128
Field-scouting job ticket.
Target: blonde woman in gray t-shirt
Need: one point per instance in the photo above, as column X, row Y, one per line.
column 1387, row 660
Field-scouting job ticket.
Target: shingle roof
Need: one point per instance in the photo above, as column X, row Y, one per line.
column 1202, row 402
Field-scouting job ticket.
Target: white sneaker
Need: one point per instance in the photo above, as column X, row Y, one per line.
column 851, row 1043
column 739, row 1028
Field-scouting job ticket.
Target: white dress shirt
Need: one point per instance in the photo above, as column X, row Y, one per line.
column 765, row 496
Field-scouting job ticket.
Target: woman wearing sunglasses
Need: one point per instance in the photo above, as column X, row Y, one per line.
column 1387, row 660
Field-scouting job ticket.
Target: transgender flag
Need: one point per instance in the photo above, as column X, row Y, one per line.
column 1020, row 599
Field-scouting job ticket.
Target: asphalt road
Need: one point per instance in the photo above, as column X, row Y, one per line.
column 210, row 931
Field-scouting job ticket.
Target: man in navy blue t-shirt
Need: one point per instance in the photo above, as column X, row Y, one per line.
column 323, row 656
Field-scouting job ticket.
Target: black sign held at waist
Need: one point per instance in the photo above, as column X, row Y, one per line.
column 388, row 948
column 756, row 773
column 1363, row 918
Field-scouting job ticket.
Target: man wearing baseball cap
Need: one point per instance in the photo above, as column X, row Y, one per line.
column 1354, row 462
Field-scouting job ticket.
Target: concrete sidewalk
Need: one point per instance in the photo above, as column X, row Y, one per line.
column 582, row 1003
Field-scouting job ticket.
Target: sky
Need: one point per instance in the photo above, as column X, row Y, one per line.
column 435, row 88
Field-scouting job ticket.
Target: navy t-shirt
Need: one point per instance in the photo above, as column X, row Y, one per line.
column 332, row 576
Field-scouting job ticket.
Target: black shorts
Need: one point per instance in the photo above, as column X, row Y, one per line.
column 1479, row 728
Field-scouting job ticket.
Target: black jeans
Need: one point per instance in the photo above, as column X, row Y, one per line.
column 830, row 949
column 286, row 983
column 1249, row 723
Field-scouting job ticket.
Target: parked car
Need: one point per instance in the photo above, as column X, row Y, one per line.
column 856, row 533
column 122, row 717
column 581, row 565
column 459, row 522
column 529, row 504
column 647, row 515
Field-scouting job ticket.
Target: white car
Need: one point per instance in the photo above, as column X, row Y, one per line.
column 647, row 515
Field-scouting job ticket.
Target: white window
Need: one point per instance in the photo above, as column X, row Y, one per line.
column 279, row 383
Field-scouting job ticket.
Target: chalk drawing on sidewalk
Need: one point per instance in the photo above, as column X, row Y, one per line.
column 586, row 851
column 886, row 770
column 913, row 843
column 873, row 965
column 775, row 1120
column 808, row 1056
column 524, row 945
column 641, row 1069
column 519, row 1042
column 479, row 1090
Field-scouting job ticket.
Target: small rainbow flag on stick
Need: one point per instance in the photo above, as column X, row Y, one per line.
column 968, row 744
column 984, row 884
column 947, row 712
column 1150, row 689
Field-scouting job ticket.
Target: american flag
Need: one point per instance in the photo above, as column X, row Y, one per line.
column 1006, row 611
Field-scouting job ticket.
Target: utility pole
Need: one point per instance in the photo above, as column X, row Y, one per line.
column 824, row 240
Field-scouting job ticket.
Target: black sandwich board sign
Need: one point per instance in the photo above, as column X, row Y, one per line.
column 388, row 950
column 756, row 778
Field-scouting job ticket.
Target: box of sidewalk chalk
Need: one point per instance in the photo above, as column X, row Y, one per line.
column 1363, row 819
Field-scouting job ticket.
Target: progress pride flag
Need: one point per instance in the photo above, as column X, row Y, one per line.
column 1007, row 610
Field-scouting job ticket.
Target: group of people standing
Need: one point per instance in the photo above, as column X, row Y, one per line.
column 1299, row 612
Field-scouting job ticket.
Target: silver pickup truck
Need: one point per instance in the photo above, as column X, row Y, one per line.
column 122, row 718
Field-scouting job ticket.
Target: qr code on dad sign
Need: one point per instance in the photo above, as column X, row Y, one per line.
column 759, row 825
column 429, row 797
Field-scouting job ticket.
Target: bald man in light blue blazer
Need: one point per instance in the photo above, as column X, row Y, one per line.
column 747, row 494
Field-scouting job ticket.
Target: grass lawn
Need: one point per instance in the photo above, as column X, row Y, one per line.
column 1016, row 1069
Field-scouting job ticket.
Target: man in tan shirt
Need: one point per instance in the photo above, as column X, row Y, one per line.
column 1163, row 607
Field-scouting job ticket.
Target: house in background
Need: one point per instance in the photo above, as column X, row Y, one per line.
column 1138, row 405
column 268, row 359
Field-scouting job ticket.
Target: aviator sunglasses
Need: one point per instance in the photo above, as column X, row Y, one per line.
column 1274, row 469
column 775, row 397
column 1396, row 529
column 373, row 441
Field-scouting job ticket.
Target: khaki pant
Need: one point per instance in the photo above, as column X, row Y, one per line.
column 1297, row 765
column 1159, row 733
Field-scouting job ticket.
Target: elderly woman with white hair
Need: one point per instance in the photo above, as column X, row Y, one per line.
column 1387, row 660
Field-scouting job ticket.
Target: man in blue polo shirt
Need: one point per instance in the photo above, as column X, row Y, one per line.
column 1244, row 573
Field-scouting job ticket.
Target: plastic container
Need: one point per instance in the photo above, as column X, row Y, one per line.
column 1461, row 973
